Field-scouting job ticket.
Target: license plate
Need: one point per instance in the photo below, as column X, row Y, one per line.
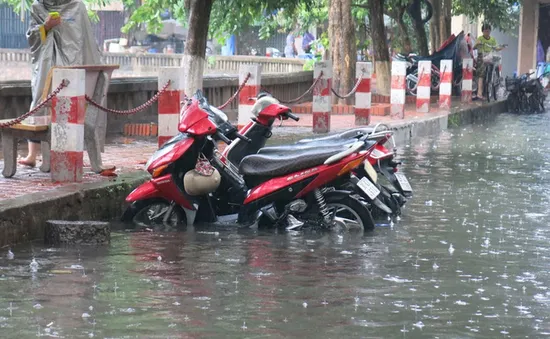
column 403, row 182
column 368, row 187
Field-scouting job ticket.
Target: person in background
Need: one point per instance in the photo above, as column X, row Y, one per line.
column 307, row 42
column 485, row 45
column 60, row 34
column 290, row 48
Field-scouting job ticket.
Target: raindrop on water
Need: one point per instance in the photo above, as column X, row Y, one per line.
column 304, row 304
column 33, row 265
column 10, row 255
column 419, row 324
column 451, row 249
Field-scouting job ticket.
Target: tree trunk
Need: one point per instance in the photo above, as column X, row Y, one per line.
column 416, row 16
column 195, row 47
column 128, row 11
column 446, row 17
column 403, row 31
column 362, row 37
column 380, row 46
column 435, row 25
column 343, row 50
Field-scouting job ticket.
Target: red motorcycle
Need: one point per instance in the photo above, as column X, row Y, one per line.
column 288, row 190
column 385, row 199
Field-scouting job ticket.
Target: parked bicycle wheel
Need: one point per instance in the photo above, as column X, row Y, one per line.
column 412, row 82
column 513, row 103
column 534, row 104
column 496, row 82
column 488, row 88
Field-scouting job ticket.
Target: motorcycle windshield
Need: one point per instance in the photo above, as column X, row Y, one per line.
column 199, row 118
column 172, row 150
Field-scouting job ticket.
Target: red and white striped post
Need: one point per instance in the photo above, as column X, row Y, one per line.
column 467, row 79
column 397, row 94
column 169, row 102
column 250, row 90
column 446, row 86
column 67, row 128
column 322, row 97
column 424, row 87
column 363, row 98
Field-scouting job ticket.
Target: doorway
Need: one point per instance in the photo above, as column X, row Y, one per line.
column 543, row 33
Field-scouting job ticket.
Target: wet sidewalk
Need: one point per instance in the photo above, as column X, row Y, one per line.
column 130, row 154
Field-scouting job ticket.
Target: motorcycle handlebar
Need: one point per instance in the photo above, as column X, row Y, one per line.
column 242, row 137
column 293, row 116
column 223, row 138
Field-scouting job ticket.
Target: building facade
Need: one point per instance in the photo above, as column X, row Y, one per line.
column 534, row 26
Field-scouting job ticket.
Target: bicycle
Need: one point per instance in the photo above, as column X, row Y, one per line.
column 412, row 73
column 492, row 80
column 526, row 94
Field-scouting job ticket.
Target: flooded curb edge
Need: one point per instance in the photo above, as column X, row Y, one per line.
column 23, row 218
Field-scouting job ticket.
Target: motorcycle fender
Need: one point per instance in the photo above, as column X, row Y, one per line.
column 393, row 180
column 376, row 201
column 169, row 192
column 340, row 193
column 144, row 191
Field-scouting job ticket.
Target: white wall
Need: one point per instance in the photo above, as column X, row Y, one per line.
column 510, row 54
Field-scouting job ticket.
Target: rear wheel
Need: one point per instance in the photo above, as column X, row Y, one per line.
column 348, row 213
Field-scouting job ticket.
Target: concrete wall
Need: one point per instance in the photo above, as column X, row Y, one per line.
column 126, row 93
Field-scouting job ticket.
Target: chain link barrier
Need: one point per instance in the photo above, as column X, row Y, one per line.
column 131, row 111
column 353, row 90
column 293, row 101
column 248, row 75
column 52, row 95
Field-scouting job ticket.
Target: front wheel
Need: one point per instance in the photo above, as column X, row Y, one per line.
column 154, row 213
column 412, row 83
column 348, row 213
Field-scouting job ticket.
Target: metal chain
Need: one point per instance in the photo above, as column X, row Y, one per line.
column 293, row 101
column 353, row 90
column 131, row 111
column 236, row 93
column 18, row 120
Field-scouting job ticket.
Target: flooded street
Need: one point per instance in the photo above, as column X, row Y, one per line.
column 470, row 257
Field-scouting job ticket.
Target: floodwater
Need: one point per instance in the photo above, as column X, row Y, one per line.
column 470, row 257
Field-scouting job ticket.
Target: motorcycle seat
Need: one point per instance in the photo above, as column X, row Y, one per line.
column 346, row 135
column 293, row 148
column 278, row 164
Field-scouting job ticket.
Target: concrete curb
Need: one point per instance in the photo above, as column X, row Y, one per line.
column 24, row 218
column 405, row 131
